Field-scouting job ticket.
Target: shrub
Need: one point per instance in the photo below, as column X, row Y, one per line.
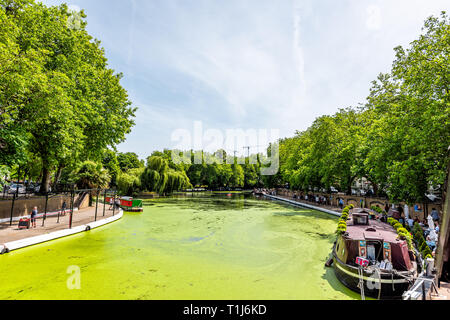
column 377, row 209
column 402, row 230
column 341, row 229
column 398, row 226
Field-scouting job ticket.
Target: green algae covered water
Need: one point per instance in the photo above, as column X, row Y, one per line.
column 190, row 247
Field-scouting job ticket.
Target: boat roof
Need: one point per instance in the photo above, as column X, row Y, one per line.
column 376, row 230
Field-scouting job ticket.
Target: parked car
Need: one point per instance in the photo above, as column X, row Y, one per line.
column 31, row 187
column 37, row 188
column 13, row 188
column 334, row 190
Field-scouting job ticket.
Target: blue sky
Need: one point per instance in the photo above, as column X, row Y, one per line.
column 247, row 64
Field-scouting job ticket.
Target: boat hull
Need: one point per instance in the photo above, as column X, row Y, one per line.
column 391, row 287
column 133, row 209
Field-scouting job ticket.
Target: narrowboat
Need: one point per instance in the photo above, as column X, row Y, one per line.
column 369, row 258
column 129, row 204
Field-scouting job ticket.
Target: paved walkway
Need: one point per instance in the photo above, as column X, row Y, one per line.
column 443, row 292
column 338, row 210
column 12, row 233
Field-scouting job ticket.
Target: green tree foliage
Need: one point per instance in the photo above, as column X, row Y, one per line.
column 57, row 95
column 160, row 178
column 91, row 175
column 129, row 183
column 129, row 160
column 398, row 141
column 111, row 163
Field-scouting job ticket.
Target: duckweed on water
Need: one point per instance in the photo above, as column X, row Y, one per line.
column 195, row 247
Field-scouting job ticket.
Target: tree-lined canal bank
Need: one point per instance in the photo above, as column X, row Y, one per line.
column 199, row 247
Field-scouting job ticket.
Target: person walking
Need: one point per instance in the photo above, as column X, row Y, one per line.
column 34, row 214
column 435, row 215
column 64, row 207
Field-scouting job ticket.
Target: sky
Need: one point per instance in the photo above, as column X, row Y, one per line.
column 247, row 64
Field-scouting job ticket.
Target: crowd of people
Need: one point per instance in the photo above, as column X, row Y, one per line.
column 430, row 225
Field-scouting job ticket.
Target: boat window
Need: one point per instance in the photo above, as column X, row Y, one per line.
column 360, row 220
column 371, row 255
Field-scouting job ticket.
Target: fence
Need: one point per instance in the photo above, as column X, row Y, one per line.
column 62, row 208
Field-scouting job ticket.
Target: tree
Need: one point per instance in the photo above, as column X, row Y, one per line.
column 111, row 163
column 129, row 160
column 91, row 175
column 129, row 183
column 160, row 178
column 57, row 87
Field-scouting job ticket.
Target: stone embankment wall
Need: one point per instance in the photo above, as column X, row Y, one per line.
column 23, row 207
column 368, row 202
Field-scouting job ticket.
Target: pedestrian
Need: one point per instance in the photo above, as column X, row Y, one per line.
column 111, row 203
column 64, row 207
column 386, row 207
column 435, row 215
column 341, row 203
column 34, row 214
column 410, row 222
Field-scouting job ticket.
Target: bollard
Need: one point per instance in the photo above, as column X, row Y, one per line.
column 104, row 203
column 96, row 204
column 45, row 211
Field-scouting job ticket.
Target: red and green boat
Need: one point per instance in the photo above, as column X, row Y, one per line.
column 131, row 205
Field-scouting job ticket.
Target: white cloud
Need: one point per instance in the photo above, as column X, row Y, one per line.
column 373, row 18
column 74, row 8
column 249, row 64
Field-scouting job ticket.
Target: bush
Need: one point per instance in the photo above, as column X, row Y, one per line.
column 377, row 209
column 398, row 226
column 402, row 230
column 341, row 229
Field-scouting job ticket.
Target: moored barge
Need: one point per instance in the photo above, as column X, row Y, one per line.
column 371, row 259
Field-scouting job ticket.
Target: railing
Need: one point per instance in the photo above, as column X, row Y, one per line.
column 59, row 208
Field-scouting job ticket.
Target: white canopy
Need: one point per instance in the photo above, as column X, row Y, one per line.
column 433, row 235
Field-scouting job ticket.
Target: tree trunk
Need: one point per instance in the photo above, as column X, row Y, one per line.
column 45, row 183
column 349, row 185
column 58, row 175
column 25, row 177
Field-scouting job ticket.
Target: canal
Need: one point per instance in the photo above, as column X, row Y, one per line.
column 207, row 246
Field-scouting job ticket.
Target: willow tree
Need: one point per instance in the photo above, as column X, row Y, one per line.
column 129, row 183
column 160, row 178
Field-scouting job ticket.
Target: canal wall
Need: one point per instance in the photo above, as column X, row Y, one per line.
column 23, row 243
column 368, row 202
column 24, row 206
column 304, row 205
